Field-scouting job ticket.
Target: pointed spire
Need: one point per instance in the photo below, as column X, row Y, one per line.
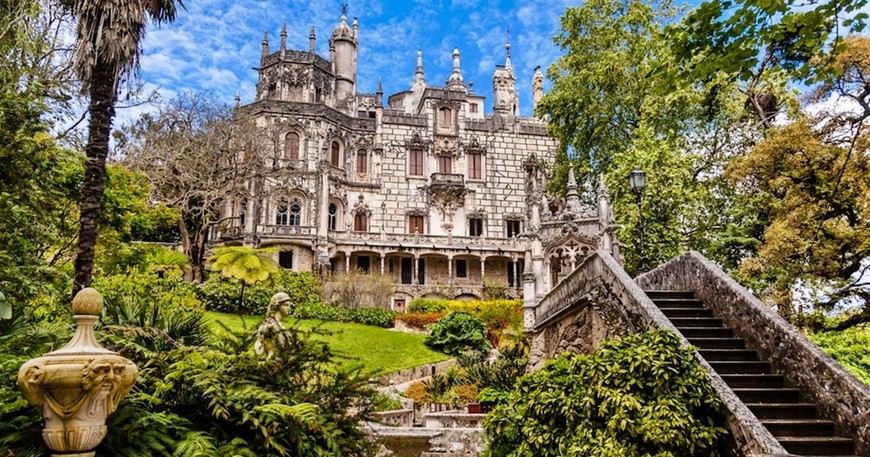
column 238, row 100
column 419, row 81
column 455, row 81
column 283, row 36
column 311, row 41
column 507, row 49
column 379, row 95
column 355, row 28
column 572, row 201
column 265, row 44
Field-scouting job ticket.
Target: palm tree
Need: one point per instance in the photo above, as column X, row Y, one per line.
column 248, row 265
column 109, row 35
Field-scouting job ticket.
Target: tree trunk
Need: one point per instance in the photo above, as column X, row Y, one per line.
column 195, row 270
column 101, row 89
column 241, row 298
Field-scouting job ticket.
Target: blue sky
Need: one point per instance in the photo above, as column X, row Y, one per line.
column 215, row 43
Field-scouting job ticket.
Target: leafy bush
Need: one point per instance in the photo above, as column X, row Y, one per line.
column 464, row 394
column 385, row 402
column 457, row 332
column 639, row 395
column 378, row 317
column 420, row 320
column 221, row 294
column 849, row 348
column 426, row 305
column 491, row 396
column 359, row 290
column 418, row 393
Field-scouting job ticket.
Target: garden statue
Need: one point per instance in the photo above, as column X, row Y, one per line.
column 270, row 336
column 77, row 387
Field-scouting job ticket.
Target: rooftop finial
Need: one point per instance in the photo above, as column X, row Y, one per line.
column 265, row 43
column 507, row 48
column 238, row 100
column 419, row 81
column 455, row 81
column 344, row 8
column 283, row 36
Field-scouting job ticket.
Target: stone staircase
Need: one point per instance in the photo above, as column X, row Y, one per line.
column 794, row 423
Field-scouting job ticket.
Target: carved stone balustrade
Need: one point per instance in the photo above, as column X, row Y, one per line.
column 77, row 387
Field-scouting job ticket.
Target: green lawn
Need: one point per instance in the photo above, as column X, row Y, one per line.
column 376, row 349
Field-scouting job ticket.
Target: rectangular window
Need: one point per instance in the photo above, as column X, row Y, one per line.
column 415, row 162
column 513, row 228
column 475, row 226
column 415, row 224
column 360, row 223
column 472, row 107
column 362, row 162
column 285, row 259
column 445, row 164
column 475, row 170
column 461, row 268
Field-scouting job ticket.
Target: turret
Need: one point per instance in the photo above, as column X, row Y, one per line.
column 283, row 47
column 265, row 44
column 537, row 87
column 455, row 81
column 505, row 99
column 343, row 47
column 311, row 41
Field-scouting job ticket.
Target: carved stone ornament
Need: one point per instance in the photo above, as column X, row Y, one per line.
column 77, row 387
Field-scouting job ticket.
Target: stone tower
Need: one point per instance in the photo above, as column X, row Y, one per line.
column 505, row 100
column 343, row 47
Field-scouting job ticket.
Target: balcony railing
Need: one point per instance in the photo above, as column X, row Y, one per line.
column 447, row 180
column 285, row 230
column 419, row 240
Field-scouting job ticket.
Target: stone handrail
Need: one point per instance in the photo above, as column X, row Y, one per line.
column 838, row 394
column 284, row 230
column 600, row 281
column 421, row 240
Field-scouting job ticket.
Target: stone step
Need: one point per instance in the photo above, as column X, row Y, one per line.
column 718, row 343
column 706, row 332
column 685, row 322
column 686, row 312
column 678, row 303
column 783, row 410
column 743, row 367
column 817, row 445
column 657, row 294
column 762, row 381
column 721, row 355
column 799, row 427
column 768, row 395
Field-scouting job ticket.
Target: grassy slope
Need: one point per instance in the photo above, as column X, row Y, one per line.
column 376, row 350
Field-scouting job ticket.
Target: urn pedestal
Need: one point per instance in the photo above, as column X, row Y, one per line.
column 77, row 387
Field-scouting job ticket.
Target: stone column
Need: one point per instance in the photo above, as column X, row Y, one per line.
column 347, row 262
column 383, row 256
column 77, row 387
column 450, row 270
column 482, row 269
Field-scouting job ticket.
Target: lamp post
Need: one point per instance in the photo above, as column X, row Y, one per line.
column 637, row 180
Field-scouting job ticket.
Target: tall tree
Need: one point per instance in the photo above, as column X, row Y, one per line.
column 197, row 158
column 248, row 265
column 762, row 44
column 108, row 37
column 615, row 108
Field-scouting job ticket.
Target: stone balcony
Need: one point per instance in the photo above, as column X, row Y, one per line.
column 447, row 181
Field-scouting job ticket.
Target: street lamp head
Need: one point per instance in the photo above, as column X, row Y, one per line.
column 637, row 179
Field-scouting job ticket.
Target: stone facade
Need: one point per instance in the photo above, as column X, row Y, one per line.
column 428, row 189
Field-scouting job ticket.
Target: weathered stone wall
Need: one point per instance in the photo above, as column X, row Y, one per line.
column 599, row 300
column 411, row 374
column 840, row 396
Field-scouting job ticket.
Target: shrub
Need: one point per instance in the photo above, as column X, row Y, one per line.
column 222, row 294
column 385, row 402
column 639, row 395
column 420, row 320
column 465, row 394
column 378, row 317
column 359, row 290
column 426, row 305
column 418, row 393
column 457, row 332
column 491, row 396
column 849, row 348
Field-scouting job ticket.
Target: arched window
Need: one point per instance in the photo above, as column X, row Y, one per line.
column 295, row 214
column 360, row 223
column 282, row 213
column 291, row 146
column 332, row 217
column 362, row 161
column 335, row 156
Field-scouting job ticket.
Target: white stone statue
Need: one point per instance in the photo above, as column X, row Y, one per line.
column 270, row 337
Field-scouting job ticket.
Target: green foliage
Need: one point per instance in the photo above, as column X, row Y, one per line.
column 427, row 305
column 384, row 402
column 501, row 373
column 246, row 264
column 639, row 395
column 849, row 347
column 456, row 332
column 358, row 290
column 491, row 396
column 378, row 317
column 219, row 293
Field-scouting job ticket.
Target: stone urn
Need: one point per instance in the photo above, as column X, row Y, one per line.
column 77, row 387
